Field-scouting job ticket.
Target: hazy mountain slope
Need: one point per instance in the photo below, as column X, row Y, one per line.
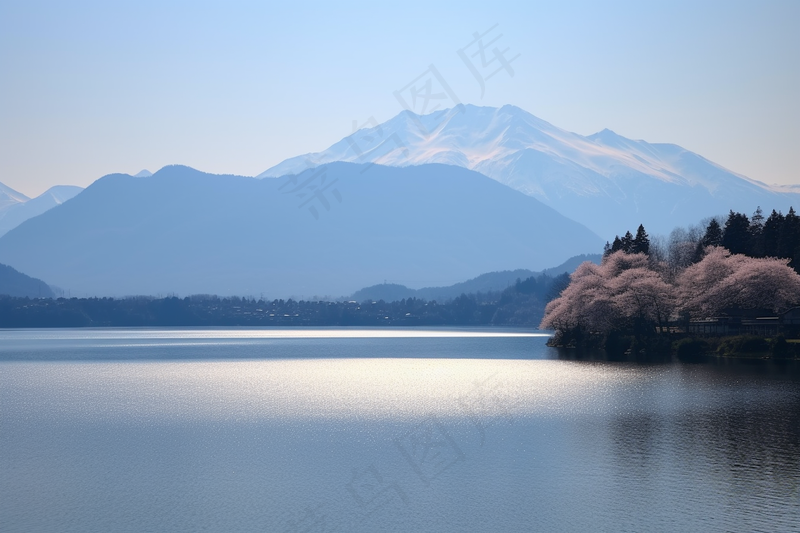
column 605, row 181
column 9, row 197
column 13, row 283
column 188, row 232
column 569, row 266
column 489, row 282
column 13, row 215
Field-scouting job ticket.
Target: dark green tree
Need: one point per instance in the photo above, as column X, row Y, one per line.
column 616, row 246
column 627, row 242
column 757, row 234
column 736, row 237
column 790, row 237
column 713, row 235
column 641, row 243
column 773, row 227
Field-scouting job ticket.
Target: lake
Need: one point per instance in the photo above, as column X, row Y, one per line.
column 317, row 430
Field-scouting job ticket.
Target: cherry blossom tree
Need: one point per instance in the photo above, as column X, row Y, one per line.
column 629, row 292
column 642, row 294
column 609, row 296
column 722, row 280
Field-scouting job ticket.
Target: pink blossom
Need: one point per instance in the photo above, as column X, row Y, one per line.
column 722, row 280
column 599, row 297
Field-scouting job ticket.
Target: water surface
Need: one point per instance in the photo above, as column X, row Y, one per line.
column 369, row 430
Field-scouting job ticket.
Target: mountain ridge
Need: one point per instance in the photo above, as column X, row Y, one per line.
column 16, row 284
column 605, row 181
column 488, row 282
column 9, row 196
column 188, row 232
column 14, row 214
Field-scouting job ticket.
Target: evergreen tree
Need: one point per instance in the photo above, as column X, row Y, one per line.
column 790, row 235
column 790, row 239
column 713, row 235
column 627, row 242
column 641, row 244
column 736, row 237
column 757, row 234
column 772, row 234
column 616, row 246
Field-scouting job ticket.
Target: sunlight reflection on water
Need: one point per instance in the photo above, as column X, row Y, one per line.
column 298, row 389
column 413, row 432
column 258, row 333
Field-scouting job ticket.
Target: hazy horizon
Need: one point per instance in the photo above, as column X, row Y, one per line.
column 235, row 89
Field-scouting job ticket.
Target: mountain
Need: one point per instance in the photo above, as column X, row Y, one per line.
column 184, row 231
column 607, row 182
column 490, row 282
column 570, row 265
column 13, row 283
column 12, row 215
column 9, row 197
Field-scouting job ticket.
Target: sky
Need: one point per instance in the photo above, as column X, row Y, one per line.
column 93, row 88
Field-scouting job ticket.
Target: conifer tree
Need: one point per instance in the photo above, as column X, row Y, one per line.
column 713, row 235
column 757, row 234
column 736, row 237
column 772, row 234
column 627, row 242
column 790, row 237
column 641, row 244
column 617, row 244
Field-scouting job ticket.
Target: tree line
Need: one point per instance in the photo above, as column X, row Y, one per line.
column 521, row 304
column 777, row 236
column 645, row 288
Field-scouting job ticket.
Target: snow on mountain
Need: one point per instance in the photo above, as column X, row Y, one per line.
column 605, row 181
column 144, row 173
column 9, row 197
column 14, row 214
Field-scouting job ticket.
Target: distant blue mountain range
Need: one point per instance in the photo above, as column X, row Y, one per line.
column 485, row 283
column 13, row 283
column 16, row 208
column 323, row 232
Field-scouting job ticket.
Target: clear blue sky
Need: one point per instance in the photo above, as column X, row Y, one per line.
column 91, row 88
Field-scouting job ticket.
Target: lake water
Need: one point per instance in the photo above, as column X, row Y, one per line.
column 400, row 430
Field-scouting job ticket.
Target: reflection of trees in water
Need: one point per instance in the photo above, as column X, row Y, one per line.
column 759, row 444
column 641, row 439
column 743, row 457
column 598, row 354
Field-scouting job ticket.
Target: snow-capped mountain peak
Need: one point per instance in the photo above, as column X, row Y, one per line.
column 606, row 181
